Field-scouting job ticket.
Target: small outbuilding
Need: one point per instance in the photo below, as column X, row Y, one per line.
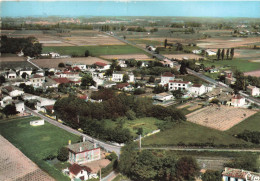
column 37, row 122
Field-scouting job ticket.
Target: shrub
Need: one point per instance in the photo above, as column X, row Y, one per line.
column 63, row 154
column 130, row 115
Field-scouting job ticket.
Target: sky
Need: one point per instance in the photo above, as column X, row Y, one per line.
column 131, row 8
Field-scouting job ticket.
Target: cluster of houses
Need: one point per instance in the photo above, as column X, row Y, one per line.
column 232, row 174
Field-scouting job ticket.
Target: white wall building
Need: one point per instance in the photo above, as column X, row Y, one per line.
column 210, row 52
column 162, row 97
column 37, row 122
column 197, row 89
column 37, row 80
column 238, row 101
column 178, row 85
column 117, row 76
column 166, row 78
column 131, row 77
column 253, row 90
column 19, row 105
column 41, row 102
column 11, row 75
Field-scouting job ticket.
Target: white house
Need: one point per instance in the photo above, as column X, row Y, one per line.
column 80, row 66
column 232, row 174
column 19, row 105
column 197, row 51
column 37, row 80
column 67, row 74
column 54, row 55
column 41, row 102
column 167, row 63
column 166, row 77
column 12, row 91
column 11, row 75
column 117, row 76
column 253, row 90
column 162, row 97
column 27, row 71
column 122, row 63
column 102, row 66
column 210, row 52
column 197, row 89
column 77, row 172
column 131, row 77
column 5, row 101
column 37, row 122
column 178, row 85
column 238, row 101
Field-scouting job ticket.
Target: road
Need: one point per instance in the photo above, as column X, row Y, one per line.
column 203, row 149
column 197, row 74
column 106, row 146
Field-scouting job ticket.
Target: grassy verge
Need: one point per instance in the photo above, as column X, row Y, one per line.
column 37, row 142
column 190, row 133
column 93, row 50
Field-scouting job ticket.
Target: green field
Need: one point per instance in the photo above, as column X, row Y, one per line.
column 251, row 124
column 147, row 42
column 37, row 142
column 93, row 50
column 240, row 64
column 188, row 132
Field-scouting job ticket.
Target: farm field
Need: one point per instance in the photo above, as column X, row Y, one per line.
column 221, row 118
column 54, row 62
column 180, row 56
column 16, row 166
column 94, row 50
column 132, row 56
column 240, row 64
column 37, row 142
column 253, row 73
column 188, row 132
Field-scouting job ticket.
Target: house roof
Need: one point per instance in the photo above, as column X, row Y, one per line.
column 100, row 64
column 84, row 97
column 238, row 173
column 75, row 169
column 162, row 94
column 87, row 145
column 167, row 74
column 237, row 97
column 37, row 76
column 62, row 80
column 196, row 85
column 122, row 85
column 50, row 107
column 179, row 81
column 8, row 88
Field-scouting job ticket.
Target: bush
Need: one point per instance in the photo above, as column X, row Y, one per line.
column 112, row 156
column 61, row 65
column 139, row 91
column 63, row 154
column 131, row 115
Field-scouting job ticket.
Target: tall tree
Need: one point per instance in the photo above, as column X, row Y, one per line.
column 227, row 53
column 2, row 80
column 222, row 54
column 125, row 78
column 10, row 109
column 86, row 53
column 211, row 175
column 232, row 52
column 218, row 54
column 165, row 43
column 24, row 75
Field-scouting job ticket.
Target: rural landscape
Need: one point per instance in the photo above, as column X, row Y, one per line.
column 129, row 94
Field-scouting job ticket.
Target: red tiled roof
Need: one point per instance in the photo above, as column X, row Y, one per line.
column 122, row 85
column 75, row 169
column 238, row 173
column 75, row 81
column 84, row 97
column 37, row 76
column 237, row 97
column 67, row 72
column 196, row 85
column 167, row 74
column 62, row 80
column 179, row 81
column 100, row 64
column 49, row 107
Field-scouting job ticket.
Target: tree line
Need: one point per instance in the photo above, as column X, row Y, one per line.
column 29, row 46
column 229, row 53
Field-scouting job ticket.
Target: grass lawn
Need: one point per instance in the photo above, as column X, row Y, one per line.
column 93, row 50
column 212, row 75
column 37, row 142
column 252, row 124
column 240, row 64
column 187, row 132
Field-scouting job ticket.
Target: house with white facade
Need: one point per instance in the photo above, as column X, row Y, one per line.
column 37, row 80
column 197, row 51
column 11, row 75
column 67, row 74
column 77, row 172
column 80, row 66
column 233, row 174
column 238, row 101
column 253, row 90
column 43, row 102
column 27, row 71
column 178, row 85
column 197, row 89
column 100, row 66
column 131, row 77
column 122, row 63
column 19, row 105
column 210, row 52
column 166, row 77
column 117, row 76
column 12, row 91
column 167, row 63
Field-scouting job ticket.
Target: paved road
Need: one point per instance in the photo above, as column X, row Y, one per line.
column 106, row 146
column 203, row 149
column 197, row 74
column 110, row 176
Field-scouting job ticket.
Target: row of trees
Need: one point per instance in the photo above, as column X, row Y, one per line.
column 29, row 46
column 150, row 165
column 243, row 81
column 229, row 54
column 250, row 136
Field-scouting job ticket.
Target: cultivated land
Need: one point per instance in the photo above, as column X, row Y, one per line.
column 188, row 132
column 253, row 73
column 37, row 142
column 54, row 62
column 180, row 56
column 94, row 50
column 132, row 56
column 16, row 166
column 221, row 118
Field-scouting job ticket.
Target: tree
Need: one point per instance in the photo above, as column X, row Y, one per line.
column 187, row 168
column 125, row 78
column 131, row 115
column 211, row 175
column 157, row 51
column 61, row 65
column 158, row 89
column 2, row 80
column 28, row 89
column 24, row 75
column 165, row 43
column 183, row 68
column 177, row 94
column 87, row 80
column 9, row 109
column 152, row 79
column 232, row 52
column 63, row 154
column 227, row 53
column 140, row 131
column 222, row 54
column 86, row 53
column 218, row 54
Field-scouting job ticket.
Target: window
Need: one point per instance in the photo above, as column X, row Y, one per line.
column 179, row 84
column 183, row 84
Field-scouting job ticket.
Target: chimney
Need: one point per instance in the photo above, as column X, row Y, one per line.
column 69, row 142
column 80, row 149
